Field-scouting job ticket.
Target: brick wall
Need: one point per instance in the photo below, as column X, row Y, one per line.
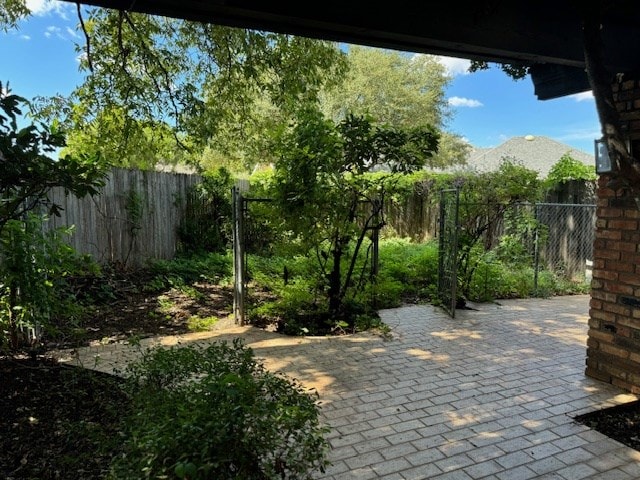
column 613, row 346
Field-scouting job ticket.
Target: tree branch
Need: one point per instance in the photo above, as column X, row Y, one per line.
column 86, row 37
column 165, row 74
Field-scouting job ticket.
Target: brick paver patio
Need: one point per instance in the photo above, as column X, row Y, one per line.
column 489, row 395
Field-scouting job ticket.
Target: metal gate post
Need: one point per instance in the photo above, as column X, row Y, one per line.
column 238, row 257
column 448, row 250
column 536, row 251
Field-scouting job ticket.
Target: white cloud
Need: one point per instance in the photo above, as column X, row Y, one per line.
column 582, row 97
column 53, row 30
column 72, row 33
column 464, row 102
column 45, row 7
column 25, row 37
column 589, row 133
column 455, row 66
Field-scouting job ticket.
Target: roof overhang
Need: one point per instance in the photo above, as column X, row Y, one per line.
column 545, row 34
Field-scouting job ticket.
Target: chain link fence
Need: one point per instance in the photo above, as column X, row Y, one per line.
column 543, row 237
column 559, row 236
column 566, row 236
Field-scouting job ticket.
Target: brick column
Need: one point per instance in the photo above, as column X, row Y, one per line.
column 613, row 346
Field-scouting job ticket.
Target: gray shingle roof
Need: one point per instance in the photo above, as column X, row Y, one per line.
column 535, row 153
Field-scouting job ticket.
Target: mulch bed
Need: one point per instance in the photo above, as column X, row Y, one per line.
column 622, row 423
column 57, row 421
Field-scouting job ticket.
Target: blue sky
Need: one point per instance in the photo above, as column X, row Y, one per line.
column 40, row 58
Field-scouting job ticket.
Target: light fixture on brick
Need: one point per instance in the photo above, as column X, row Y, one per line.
column 603, row 160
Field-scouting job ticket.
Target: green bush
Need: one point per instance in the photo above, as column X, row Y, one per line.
column 215, row 412
column 35, row 266
column 206, row 226
column 385, row 292
column 294, row 310
column 408, row 272
column 413, row 265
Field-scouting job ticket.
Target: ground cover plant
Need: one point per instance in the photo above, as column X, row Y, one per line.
column 407, row 274
column 236, row 421
column 215, row 412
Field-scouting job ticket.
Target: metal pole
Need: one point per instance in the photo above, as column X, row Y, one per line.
column 536, row 251
column 238, row 258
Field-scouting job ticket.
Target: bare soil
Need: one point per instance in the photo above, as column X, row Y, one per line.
column 62, row 422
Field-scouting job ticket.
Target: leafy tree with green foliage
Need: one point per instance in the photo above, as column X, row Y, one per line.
column 517, row 72
column 27, row 174
column 236, row 421
column 197, row 84
column 570, row 180
column 26, row 170
column 398, row 90
column 129, row 143
column 568, row 168
column 11, row 11
column 326, row 197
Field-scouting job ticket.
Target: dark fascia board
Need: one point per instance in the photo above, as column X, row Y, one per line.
column 489, row 30
column 553, row 81
column 526, row 32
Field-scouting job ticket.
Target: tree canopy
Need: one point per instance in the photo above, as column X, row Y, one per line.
column 186, row 84
column 161, row 90
column 399, row 90
column 11, row 11
column 394, row 88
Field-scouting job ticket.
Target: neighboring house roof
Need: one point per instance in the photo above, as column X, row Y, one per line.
column 535, row 153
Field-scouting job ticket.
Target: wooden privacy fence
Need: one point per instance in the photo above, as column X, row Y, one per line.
column 138, row 213
column 135, row 218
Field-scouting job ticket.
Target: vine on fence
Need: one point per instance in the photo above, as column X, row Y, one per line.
column 134, row 206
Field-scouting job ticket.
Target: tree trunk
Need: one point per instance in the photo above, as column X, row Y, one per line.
column 13, row 325
column 335, row 282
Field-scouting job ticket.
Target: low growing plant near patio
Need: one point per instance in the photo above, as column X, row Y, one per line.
column 408, row 273
column 215, row 412
column 283, row 292
column 187, row 269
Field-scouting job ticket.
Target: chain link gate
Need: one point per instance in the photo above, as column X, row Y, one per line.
column 448, row 250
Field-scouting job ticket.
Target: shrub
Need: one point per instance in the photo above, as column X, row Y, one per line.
column 35, row 265
column 206, row 226
column 196, row 323
column 413, row 265
column 215, row 412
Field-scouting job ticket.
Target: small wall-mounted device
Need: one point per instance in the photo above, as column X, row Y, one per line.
column 603, row 159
